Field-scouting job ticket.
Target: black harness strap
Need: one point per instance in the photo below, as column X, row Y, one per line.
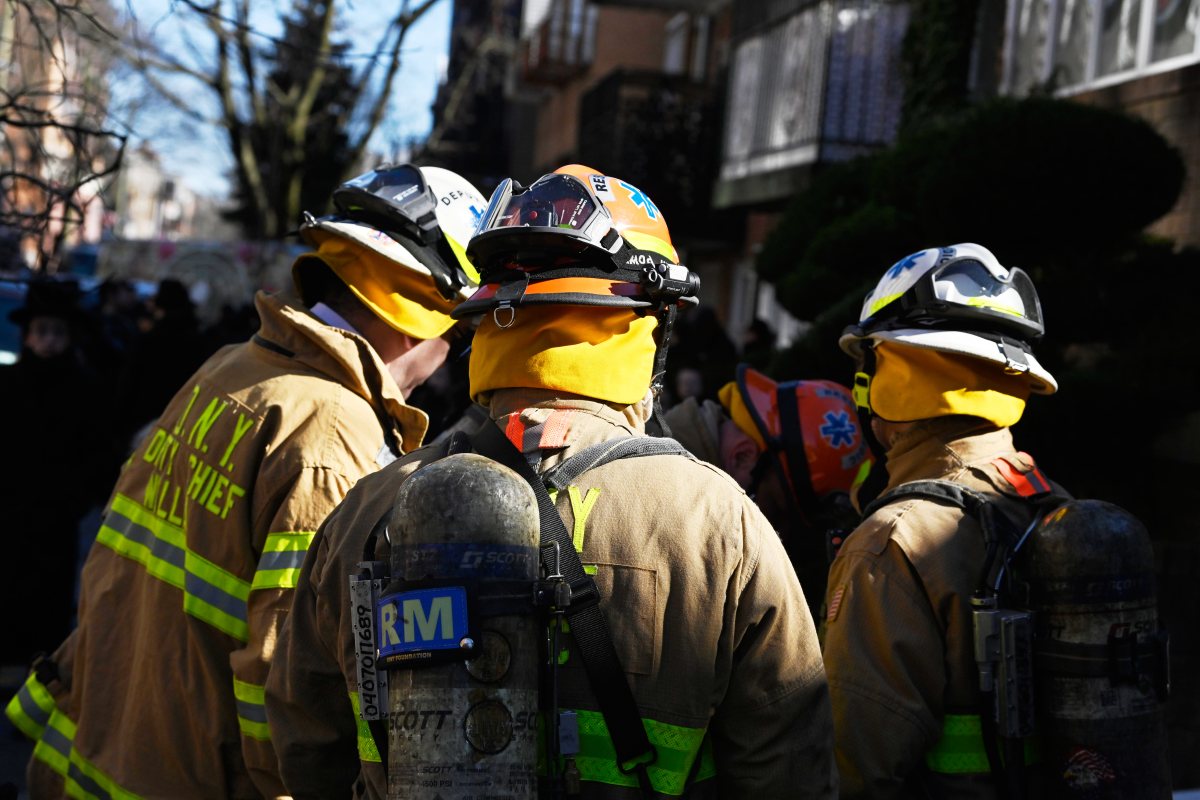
column 793, row 448
column 974, row 504
column 588, row 623
column 597, row 455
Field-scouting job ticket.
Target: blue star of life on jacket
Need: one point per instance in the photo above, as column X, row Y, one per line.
column 639, row 199
column 838, row 430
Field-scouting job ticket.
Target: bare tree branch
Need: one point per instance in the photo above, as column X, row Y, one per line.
column 403, row 21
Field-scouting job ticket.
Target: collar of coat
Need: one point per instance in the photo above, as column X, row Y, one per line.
column 344, row 356
column 944, row 446
column 540, row 420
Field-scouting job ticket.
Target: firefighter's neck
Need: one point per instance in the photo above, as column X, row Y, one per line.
column 891, row 434
column 409, row 361
column 888, row 433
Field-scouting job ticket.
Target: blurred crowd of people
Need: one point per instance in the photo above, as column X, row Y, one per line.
column 122, row 355
column 92, row 373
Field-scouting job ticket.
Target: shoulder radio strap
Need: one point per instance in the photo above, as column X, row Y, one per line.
column 588, row 623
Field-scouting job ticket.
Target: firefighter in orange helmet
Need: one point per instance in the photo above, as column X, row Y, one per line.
column 796, row 448
column 712, row 636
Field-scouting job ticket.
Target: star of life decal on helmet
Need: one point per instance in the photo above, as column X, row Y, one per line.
column 838, row 430
column 639, row 199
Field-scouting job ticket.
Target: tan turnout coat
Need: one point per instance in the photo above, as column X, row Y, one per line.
column 183, row 595
column 707, row 616
column 898, row 634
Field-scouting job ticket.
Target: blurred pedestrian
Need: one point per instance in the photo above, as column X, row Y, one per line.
column 700, row 342
column 758, row 344
column 161, row 359
column 52, row 441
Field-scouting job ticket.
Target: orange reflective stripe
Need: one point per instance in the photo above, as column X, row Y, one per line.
column 555, row 429
column 584, row 286
column 1036, row 476
column 515, row 430
column 601, row 286
column 1027, row 484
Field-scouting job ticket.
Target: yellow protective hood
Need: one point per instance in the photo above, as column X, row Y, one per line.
column 398, row 294
column 912, row 383
column 735, row 406
column 599, row 352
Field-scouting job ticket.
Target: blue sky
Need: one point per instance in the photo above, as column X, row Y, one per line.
column 198, row 155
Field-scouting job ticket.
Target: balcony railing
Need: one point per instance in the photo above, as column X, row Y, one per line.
column 562, row 45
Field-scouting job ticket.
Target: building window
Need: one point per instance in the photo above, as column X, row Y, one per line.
column 1075, row 45
column 699, row 66
column 822, row 84
column 675, row 44
column 1175, row 24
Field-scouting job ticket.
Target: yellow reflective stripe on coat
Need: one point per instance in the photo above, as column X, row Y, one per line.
column 367, row 749
column 678, row 748
column 250, row 699
column 55, row 749
column 282, row 558
column 960, row 750
column 30, row 708
column 210, row 593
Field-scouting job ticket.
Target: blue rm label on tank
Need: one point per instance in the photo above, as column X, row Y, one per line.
column 415, row 625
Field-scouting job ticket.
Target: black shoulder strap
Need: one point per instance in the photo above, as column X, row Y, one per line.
column 587, row 620
column 998, row 531
column 562, row 475
column 969, row 500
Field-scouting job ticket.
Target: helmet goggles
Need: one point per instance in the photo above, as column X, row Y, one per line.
column 556, row 242
column 559, row 212
column 962, row 294
column 395, row 199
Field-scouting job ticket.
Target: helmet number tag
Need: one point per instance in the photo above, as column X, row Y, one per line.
column 423, row 626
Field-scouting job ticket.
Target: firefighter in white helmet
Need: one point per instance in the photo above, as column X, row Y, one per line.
column 159, row 690
column 710, row 628
column 945, row 366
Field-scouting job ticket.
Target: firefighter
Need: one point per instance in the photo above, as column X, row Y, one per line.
column 159, row 690
column 795, row 447
column 707, row 619
column 945, row 367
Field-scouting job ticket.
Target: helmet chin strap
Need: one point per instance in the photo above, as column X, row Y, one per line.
column 657, row 424
column 877, row 479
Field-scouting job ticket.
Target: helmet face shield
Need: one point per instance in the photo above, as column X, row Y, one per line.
column 554, row 203
column 394, row 199
column 958, row 300
column 963, row 292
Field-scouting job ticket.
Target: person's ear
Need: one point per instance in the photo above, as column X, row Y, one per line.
column 739, row 453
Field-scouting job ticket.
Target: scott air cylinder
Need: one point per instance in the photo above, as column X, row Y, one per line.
column 458, row 634
column 1099, row 658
